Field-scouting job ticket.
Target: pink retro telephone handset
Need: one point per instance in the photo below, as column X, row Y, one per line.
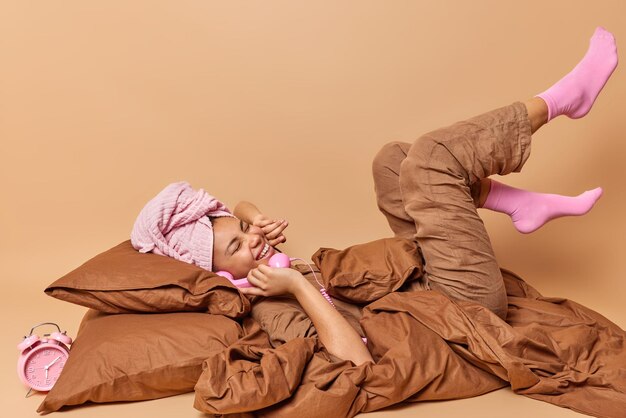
column 278, row 260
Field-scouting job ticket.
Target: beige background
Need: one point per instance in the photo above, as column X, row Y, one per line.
column 284, row 103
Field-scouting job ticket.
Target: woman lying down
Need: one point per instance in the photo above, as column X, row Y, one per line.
column 429, row 190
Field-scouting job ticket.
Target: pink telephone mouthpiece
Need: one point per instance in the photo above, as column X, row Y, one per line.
column 279, row 260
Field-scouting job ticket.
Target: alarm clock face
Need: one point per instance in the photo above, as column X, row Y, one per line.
column 43, row 365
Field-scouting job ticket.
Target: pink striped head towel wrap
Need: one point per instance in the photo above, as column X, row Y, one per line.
column 175, row 223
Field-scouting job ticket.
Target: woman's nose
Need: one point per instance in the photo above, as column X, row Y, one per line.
column 255, row 237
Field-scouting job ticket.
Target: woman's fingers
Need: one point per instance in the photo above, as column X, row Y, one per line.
column 257, row 278
column 252, row 291
column 276, row 241
column 269, row 227
column 264, row 269
column 276, row 230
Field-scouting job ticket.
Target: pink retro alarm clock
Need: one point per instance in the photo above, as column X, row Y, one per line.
column 42, row 359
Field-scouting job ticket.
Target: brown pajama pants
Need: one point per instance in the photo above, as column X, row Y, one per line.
column 429, row 190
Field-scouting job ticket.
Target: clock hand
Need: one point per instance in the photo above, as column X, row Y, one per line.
column 49, row 365
column 53, row 361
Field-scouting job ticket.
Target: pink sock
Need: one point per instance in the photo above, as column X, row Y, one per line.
column 575, row 93
column 530, row 211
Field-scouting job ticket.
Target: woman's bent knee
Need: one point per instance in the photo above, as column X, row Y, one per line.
column 389, row 158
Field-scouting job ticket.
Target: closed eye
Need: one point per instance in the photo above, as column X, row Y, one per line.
column 244, row 228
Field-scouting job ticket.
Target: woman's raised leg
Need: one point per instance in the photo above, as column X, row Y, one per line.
column 435, row 179
column 443, row 178
column 386, row 173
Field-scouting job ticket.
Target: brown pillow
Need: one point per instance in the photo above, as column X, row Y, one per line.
column 123, row 280
column 366, row 272
column 132, row 357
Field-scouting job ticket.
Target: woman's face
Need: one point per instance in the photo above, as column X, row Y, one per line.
column 238, row 247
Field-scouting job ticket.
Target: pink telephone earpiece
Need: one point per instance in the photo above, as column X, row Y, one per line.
column 278, row 260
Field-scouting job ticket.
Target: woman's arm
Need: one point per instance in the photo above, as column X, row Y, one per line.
column 334, row 331
column 246, row 211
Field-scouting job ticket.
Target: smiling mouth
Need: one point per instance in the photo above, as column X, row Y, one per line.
column 264, row 251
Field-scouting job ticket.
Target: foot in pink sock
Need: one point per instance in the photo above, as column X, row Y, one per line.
column 530, row 211
column 575, row 93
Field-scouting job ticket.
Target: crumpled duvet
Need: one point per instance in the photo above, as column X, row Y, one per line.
column 425, row 347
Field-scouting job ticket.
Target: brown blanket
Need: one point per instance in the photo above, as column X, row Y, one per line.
column 425, row 347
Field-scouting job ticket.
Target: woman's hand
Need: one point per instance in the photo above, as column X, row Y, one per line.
column 273, row 229
column 269, row 281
